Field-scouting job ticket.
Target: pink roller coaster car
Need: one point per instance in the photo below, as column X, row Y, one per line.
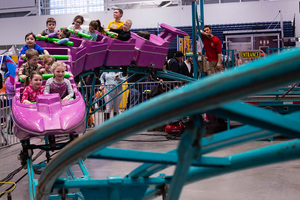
column 49, row 115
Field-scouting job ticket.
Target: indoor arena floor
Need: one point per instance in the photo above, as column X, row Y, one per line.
column 273, row 182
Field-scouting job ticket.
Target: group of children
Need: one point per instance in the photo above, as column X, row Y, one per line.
column 116, row 27
column 32, row 71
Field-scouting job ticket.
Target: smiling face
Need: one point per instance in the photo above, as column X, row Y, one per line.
column 30, row 41
column 33, row 61
column 36, row 81
column 59, row 73
column 77, row 23
column 126, row 25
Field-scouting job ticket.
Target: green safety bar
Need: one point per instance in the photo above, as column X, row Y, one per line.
column 79, row 33
column 110, row 34
column 57, row 57
column 61, row 100
column 47, row 76
column 53, row 40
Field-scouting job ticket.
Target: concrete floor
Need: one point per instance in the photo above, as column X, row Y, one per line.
column 273, row 182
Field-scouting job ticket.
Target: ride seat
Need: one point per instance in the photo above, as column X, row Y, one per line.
column 150, row 53
column 95, row 52
column 119, row 53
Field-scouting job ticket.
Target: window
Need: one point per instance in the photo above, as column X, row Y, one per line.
column 57, row 7
column 229, row 1
column 211, row 1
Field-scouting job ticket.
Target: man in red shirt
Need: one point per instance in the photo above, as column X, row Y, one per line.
column 213, row 51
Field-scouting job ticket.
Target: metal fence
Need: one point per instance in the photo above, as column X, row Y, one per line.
column 228, row 58
column 7, row 137
column 138, row 94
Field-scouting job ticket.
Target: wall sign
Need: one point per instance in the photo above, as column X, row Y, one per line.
column 250, row 54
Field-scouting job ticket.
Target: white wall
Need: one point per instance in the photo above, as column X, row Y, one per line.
column 16, row 4
column 13, row 30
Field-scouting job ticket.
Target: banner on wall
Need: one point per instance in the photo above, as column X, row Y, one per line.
column 180, row 44
column 187, row 44
column 184, row 44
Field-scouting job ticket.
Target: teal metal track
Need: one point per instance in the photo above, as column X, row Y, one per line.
column 216, row 94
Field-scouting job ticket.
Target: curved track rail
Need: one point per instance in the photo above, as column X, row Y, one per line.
column 213, row 94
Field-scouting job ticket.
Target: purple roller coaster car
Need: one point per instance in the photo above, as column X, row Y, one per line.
column 51, row 116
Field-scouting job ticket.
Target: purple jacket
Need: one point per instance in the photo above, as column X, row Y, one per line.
column 9, row 87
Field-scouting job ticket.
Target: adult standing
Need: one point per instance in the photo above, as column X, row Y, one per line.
column 110, row 80
column 174, row 63
column 187, row 67
column 213, row 51
column 136, row 91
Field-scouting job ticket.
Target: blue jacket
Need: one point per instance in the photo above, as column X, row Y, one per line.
column 36, row 47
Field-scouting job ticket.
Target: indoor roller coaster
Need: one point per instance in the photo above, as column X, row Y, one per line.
column 217, row 94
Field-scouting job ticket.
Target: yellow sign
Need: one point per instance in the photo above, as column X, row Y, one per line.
column 249, row 54
column 186, row 44
column 180, row 44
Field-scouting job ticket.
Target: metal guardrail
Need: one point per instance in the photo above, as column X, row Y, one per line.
column 140, row 93
column 7, row 138
column 134, row 96
column 228, row 58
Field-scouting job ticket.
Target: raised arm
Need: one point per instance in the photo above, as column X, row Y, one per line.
column 62, row 41
column 209, row 35
column 46, row 52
